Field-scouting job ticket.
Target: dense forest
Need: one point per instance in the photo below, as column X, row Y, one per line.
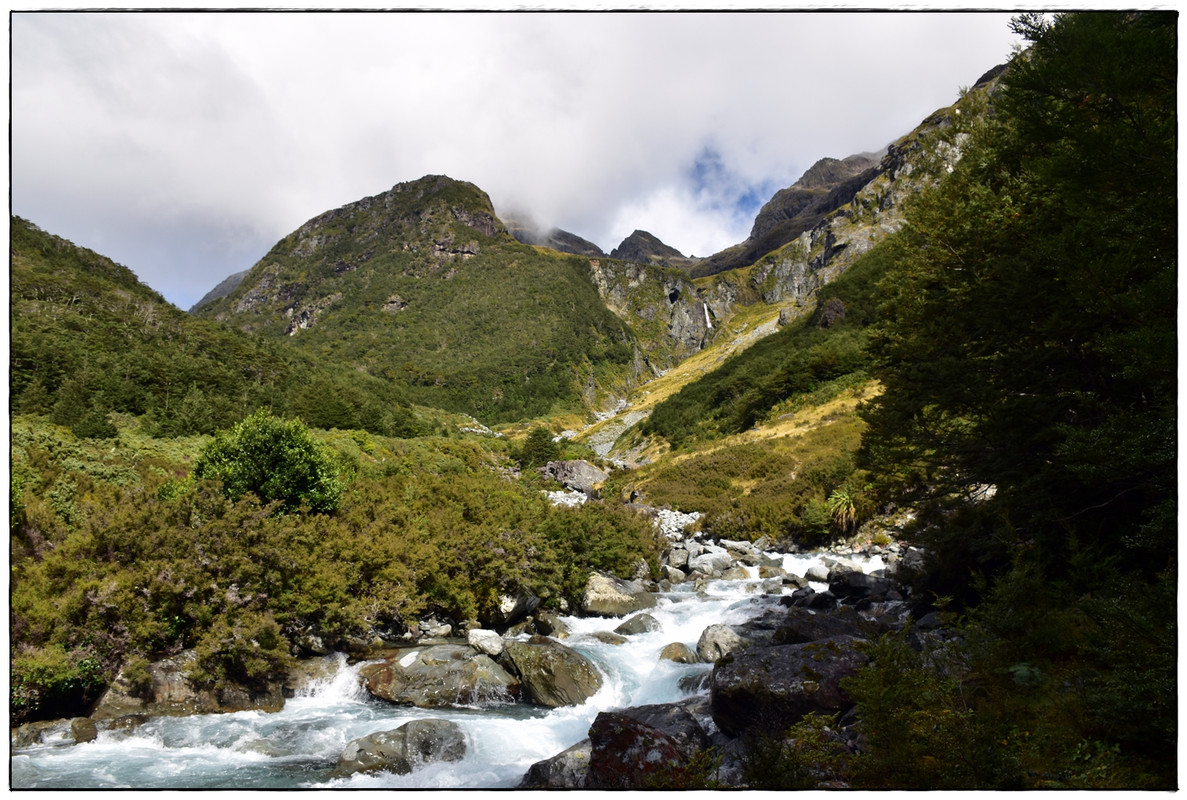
column 1003, row 368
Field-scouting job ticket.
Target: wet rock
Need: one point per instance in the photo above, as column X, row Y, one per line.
column 680, row 653
column 859, row 585
column 170, row 693
column 608, row 596
column 711, row 563
column 566, row 770
column 817, row 573
column 439, row 675
column 552, row 674
column 549, row 624
column 736, row 573
column 799, row 625
column 56, row 732
column 628, row 754
column 640, row 623
column 607, row 637
column 419, row 742
column 717, row 641
column 767, row 690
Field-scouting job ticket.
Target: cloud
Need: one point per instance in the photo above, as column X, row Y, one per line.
column 185, row 145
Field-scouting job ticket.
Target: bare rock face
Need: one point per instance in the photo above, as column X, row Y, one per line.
column 552, row 674
column 769, row 689
column 580, row 476
column 419, row 742
column 438, row 676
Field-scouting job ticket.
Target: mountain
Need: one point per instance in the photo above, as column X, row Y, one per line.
column 424, row 286
column 88, row 338
column 224, row 288
column 644, row 248
column 529, row 233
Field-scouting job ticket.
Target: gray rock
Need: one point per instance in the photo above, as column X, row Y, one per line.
column 552, row 674
column 549, row 624
column 712, row 562
column 510, row 609
column 485, row 641
column 673, row 574
column 608, row 596
column 566, row 770
column 735, row 574
column 767, row 690
column 579, row 476
column 640, row 623
column 817, row 573
column 439, row 675
column 717, row 641
column 419, row 742
column 607, row 637
column 678, row 558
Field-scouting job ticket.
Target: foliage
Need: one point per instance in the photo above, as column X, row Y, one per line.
column 127, row 569
column 807, row 756
column 1030, row 334
column 273, row 459
column 818, row 351
column 538, row 449
column 414, row 289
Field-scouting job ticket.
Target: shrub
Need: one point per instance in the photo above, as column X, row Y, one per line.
column 273, row 459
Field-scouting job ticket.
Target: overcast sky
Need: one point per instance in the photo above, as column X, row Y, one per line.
column 185, row 145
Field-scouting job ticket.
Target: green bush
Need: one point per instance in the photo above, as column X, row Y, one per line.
column 273, row 459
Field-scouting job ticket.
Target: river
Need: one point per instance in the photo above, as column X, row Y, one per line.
column 296, row 748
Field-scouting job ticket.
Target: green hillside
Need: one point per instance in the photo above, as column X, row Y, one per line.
column 423, row 287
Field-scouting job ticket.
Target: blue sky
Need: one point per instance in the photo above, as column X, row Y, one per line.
column 184, row 145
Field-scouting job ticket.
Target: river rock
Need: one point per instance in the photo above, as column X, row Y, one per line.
column 419, row 742
column 552, row 674
column 609, row 637
column 678, row 721
column 678, row 558
column 608, row 596
column 172, row 694
column 628, row 754
column 680, row 653
column 817, row 573
column 717, row 641
column 640, row 623
column 673, row 574
column 859, row 585
column 712, row 563
column 484, row 641
column 566, row 770
column 769, row 689
column 549, row 624
column 439, row 675
column 736, row 573
column 76, row 730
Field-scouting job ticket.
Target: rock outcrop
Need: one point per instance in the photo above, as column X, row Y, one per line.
column 439, row 675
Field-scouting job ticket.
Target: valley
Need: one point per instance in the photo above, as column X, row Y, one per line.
column 883, row 497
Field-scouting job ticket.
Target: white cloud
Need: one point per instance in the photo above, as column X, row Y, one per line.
column 185, row 145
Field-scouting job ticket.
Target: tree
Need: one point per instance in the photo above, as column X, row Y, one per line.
column 539, row 449
column 273, row 459
column 1030, row 334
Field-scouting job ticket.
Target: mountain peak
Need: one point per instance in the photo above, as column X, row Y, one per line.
column 645, row 248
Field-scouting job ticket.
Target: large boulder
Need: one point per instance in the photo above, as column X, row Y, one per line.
column 419, row 742
column 769, row 689
column 608, row 596
column 552, row 674
column 680, row 653
column 484, row 641
column 439, row 675
column 566, row 770
column 580, row 476
column 169, row 692
column 717, row 641
column 713, row 562
column 628, row 754
column 860, row 585
column 640, row 623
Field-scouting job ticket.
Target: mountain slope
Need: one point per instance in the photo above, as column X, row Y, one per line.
column 422, row 285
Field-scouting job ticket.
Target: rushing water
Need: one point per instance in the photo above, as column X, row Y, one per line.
column 298, row 746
